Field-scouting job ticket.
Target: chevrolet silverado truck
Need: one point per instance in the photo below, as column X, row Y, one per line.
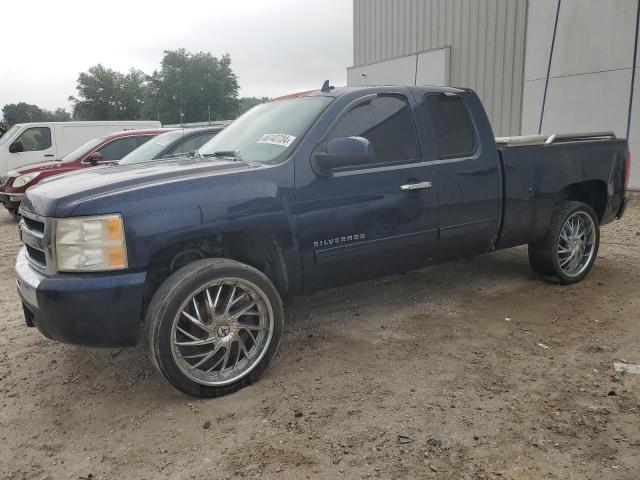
column 194, row 256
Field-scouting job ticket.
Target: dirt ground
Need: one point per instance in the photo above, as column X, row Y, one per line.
column 489, row 372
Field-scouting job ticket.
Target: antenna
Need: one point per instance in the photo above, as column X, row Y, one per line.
column 326, row 87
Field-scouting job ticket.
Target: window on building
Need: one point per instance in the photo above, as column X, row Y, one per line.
column 387, row 123
column 451, row 124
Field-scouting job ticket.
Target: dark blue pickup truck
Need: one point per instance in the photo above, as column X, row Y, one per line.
column 194, row 255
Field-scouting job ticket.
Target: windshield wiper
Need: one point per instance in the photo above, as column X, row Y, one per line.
column 231, row 154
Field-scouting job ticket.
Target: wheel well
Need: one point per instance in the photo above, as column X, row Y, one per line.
column 251, row 247
column 592, row 192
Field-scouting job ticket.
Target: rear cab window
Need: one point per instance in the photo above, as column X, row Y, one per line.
column 452, row 125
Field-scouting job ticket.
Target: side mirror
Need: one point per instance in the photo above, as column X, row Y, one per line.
column 95, row 157
column 16, row 147
column 342, row 152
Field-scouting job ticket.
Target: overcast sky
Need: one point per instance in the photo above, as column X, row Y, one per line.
column 277, row 46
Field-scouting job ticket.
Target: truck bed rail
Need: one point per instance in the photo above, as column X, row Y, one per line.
column 523, row 140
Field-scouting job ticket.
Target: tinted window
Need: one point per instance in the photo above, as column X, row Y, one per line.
column 387, row 123
column 451, row 124
column 143, row 139
column 35, row 139
column 118, row 148
column 191, row 143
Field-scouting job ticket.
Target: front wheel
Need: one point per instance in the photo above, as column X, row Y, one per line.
column 214, row 325
column 570, row 246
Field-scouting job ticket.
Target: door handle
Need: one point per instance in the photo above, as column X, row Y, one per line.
column 49, row 155
column 415, row 186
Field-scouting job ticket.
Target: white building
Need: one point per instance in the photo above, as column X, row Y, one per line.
column 540, row 66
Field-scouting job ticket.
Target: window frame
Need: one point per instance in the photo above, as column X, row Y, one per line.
column 474, row 130
column 34, row 128
column 322, row 144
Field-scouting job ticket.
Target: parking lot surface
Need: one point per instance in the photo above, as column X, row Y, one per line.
column 472, row 369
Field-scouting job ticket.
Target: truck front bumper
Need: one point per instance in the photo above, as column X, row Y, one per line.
column 11, row 201
column 98, row 310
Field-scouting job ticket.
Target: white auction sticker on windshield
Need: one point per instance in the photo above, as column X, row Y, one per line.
column 281, row 139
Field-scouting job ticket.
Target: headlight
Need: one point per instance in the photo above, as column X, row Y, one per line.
column 22, row 180
column 88, row 244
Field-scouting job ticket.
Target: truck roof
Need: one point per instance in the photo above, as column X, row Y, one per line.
column 340, row 91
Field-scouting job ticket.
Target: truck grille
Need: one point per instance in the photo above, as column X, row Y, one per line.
column 3, row 179
column 33, row 231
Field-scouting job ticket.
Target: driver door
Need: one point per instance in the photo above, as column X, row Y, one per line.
column 369, row 220
column 35, row 145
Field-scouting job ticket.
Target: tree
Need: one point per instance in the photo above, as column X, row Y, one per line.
column 24, row 112
column 198, row 85
column 104, row 94
column 58, row 115
column 247, row 103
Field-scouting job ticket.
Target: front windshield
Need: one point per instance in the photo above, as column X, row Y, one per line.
column 267, row 130
column 151, row 149
column 8, row 134
column 81, row 150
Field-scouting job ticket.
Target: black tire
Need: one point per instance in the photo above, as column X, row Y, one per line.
column 543, row 256
column 164, row 310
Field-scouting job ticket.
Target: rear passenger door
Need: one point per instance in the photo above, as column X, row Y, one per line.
column 466, row 175
column 364, row 221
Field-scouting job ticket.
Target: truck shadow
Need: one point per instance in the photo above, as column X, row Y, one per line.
column 129, row 369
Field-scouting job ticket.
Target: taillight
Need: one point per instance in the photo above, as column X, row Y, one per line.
column 627, row 172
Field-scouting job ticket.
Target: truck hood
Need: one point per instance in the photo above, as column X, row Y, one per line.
column 59, row 195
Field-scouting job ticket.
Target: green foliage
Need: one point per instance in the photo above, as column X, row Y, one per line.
column 247, row 103
column 24, row 112
column 199, row 85
column 104, row 94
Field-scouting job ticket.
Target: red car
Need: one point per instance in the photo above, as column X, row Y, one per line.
column 101, row 150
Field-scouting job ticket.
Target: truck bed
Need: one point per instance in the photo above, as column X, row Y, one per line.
column 539, row 171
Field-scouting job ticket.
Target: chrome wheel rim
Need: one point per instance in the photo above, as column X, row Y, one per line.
column 222, row 331
column 576, row 244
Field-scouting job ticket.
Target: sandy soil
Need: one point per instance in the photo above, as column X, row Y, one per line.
column 448, row 357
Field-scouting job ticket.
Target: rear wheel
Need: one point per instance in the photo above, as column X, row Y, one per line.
column 570, row 247
column 214, row 326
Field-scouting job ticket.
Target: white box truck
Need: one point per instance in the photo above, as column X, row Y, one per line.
column 27, row 143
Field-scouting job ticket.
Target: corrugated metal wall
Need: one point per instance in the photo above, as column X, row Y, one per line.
column 486, row 37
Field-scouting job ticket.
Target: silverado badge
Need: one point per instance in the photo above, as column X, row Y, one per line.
column 337, row 240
